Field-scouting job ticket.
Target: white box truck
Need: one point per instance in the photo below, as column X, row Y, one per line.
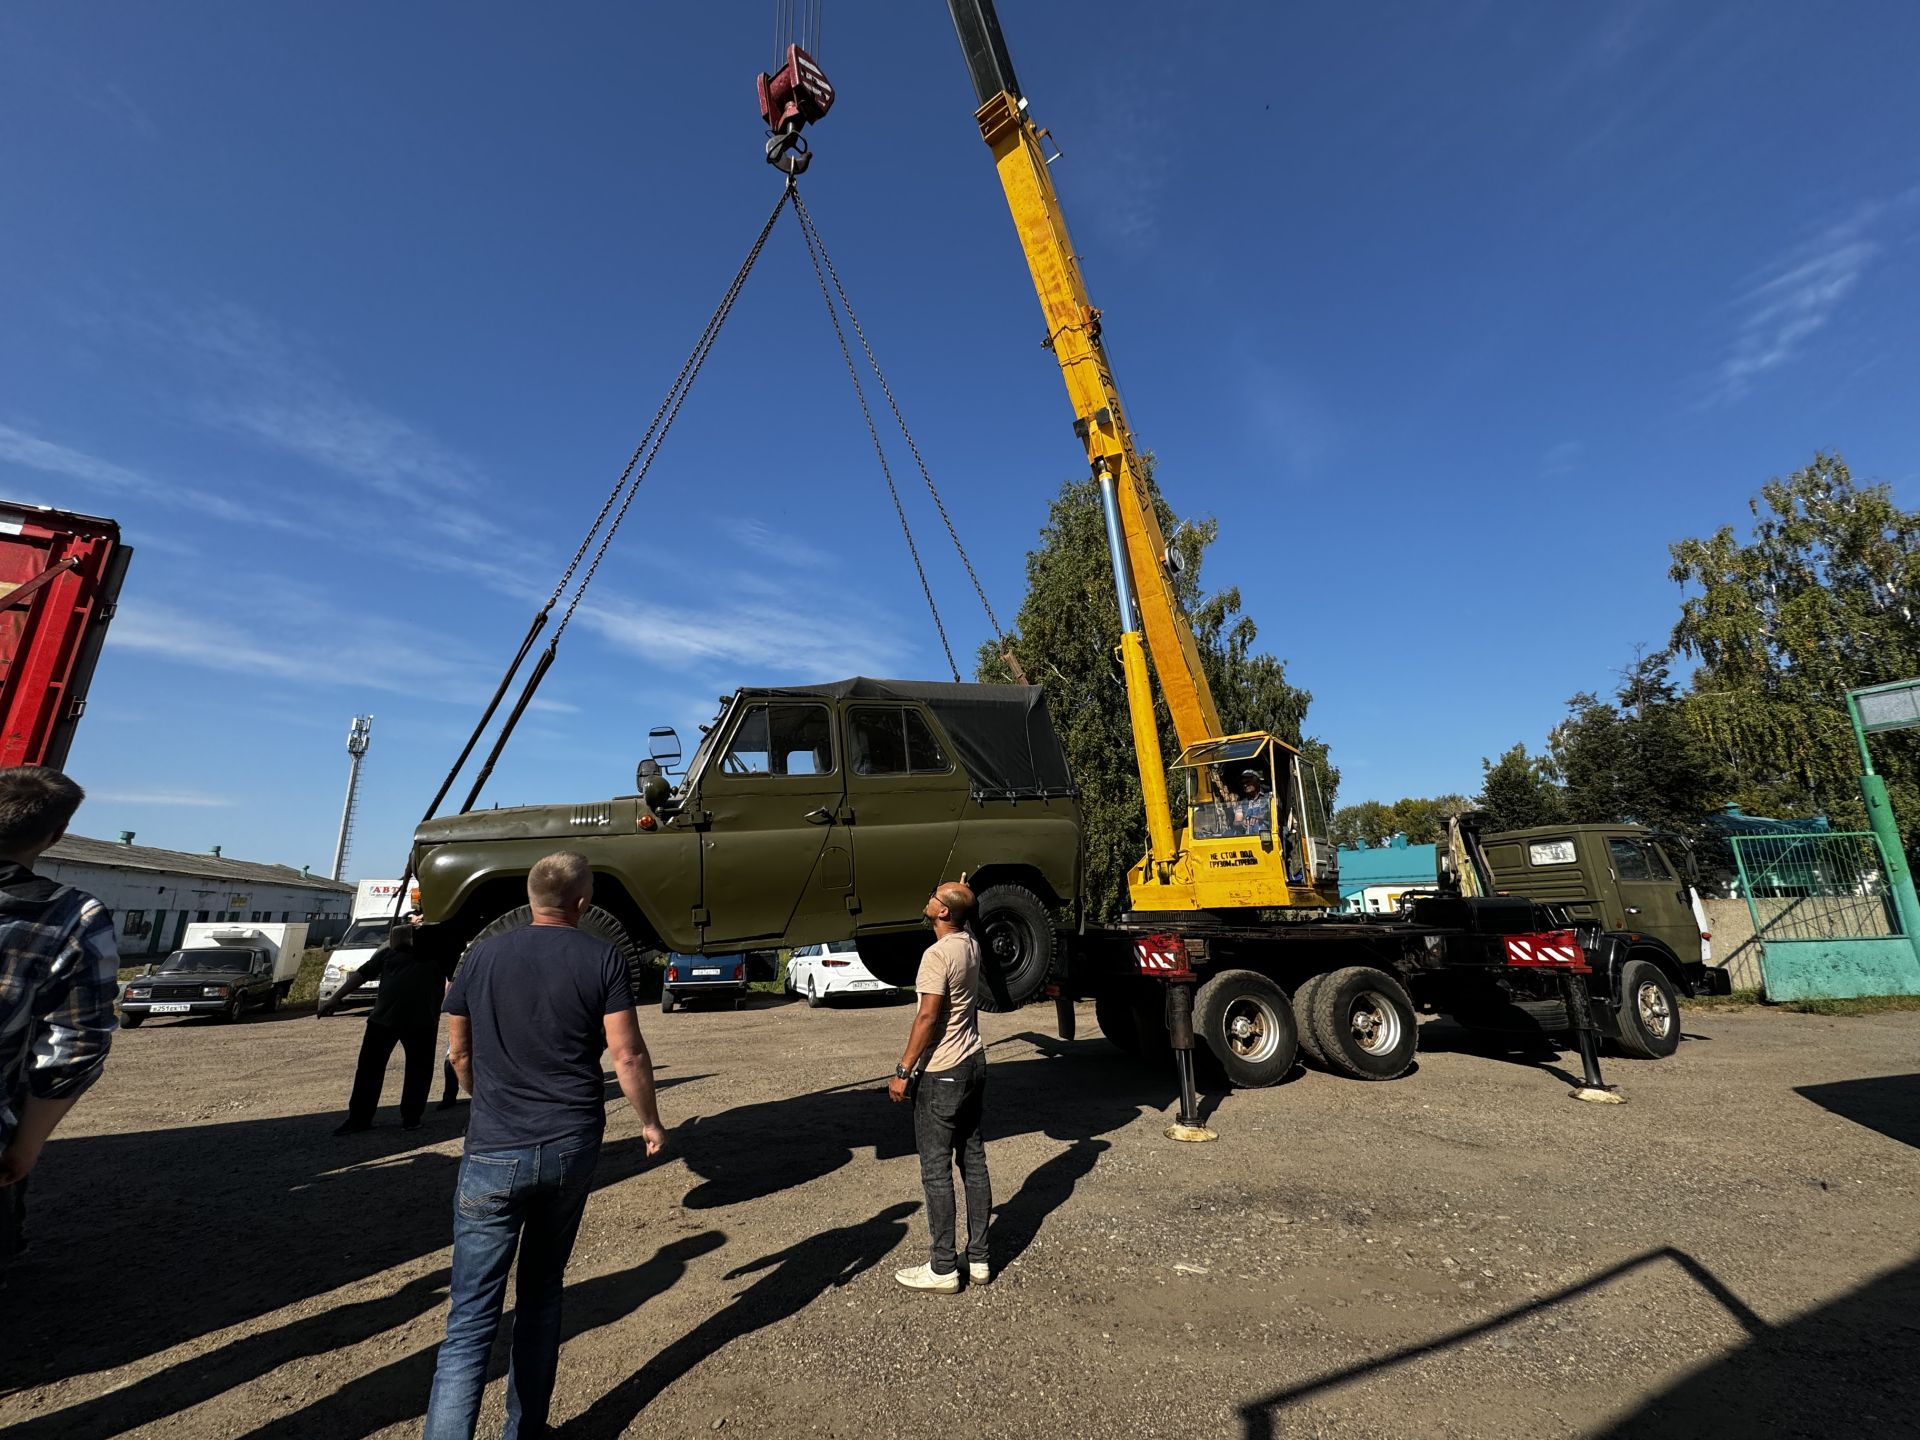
column 220, row 969
column 377, row 905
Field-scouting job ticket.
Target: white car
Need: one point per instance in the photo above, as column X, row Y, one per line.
column 822, row 971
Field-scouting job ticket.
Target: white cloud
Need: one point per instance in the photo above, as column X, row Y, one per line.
column 31, row 452
column 760, row 638
column 169, row 799
column 1792, row 299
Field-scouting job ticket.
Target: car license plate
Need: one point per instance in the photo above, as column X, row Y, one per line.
column 169, row 1009
column 712, row 973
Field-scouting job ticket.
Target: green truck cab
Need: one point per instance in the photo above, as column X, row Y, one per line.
column 807, row 814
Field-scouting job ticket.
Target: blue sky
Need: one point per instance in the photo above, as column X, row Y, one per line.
column 1454, row 316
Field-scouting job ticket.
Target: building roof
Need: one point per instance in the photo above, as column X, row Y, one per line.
column 79, row 850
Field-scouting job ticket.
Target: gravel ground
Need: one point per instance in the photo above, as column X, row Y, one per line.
column 1463, row 1252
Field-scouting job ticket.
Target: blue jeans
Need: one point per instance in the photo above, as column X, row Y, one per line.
column 528, row 1199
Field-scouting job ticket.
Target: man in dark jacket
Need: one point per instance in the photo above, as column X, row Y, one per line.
column 406, row 1012
column 58, row 970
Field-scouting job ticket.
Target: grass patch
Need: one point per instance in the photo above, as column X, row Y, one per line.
column 1863, row 1005
column 1738, row 1000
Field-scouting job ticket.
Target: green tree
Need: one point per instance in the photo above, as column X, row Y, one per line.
column 1422, row 821
column 1821, row 598
column 1064, row 639
column 1518, row 790
column 1637, row 758
column 1365, row 824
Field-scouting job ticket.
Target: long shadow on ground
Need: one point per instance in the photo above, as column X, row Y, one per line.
column 170, row 1235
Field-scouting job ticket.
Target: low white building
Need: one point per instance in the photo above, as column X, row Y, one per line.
column 155, row 894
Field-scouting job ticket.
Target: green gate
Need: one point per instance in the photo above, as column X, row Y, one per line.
column 1825, row 916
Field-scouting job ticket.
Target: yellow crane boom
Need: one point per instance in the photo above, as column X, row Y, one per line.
column 1288, row 865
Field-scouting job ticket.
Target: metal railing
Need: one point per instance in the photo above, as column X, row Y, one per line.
column 1827, row 886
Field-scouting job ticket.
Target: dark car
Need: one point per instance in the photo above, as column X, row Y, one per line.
column 685, row 977
column 224, row 981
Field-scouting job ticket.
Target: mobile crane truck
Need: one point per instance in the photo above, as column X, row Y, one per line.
column 1230, row 907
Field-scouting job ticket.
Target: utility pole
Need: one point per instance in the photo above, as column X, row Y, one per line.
column 359, row 733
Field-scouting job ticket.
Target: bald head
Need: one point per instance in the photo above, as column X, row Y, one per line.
column 951, row 905
column 560, row 882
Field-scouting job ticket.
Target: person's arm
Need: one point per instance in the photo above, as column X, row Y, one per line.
column 634, row 1067
column 70, row 1040
column 460, row 1050
column 928, row 1021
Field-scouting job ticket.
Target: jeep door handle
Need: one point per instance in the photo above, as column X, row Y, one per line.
column 1633, row 909
column 819, row 815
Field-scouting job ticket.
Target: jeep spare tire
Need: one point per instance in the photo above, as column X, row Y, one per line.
column 1016, row 946
column 601, row 924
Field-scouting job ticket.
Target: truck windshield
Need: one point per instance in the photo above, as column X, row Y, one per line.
column 367, row 934
column 205, row 962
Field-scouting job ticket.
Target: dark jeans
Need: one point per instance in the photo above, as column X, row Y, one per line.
column 13, row 1221
column 530, row 1199
column 946, row 1122
column 422, row 1046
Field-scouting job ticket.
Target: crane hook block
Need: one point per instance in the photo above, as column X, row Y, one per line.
column 792, row 98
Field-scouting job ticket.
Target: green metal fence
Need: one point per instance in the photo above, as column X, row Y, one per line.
column 1829, row 886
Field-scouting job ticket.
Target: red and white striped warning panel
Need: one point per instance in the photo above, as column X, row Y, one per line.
column 1162, row 956
column 1551, row 949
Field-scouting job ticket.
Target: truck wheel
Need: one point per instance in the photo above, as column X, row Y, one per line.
column 1149, row 1001
column 1247, row 1022
column 272, row 1002
column 893, row 959
column 1648, row 1012
column 1363, row 1023
column 1113, row 1013
column 1302, row 1009
column 1016, row 946
column 601, row 924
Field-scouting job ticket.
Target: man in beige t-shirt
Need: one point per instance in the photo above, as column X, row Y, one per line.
column 950, row 1093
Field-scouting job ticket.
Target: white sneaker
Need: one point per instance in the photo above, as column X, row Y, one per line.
column 925, row 1277
column 979, row 1273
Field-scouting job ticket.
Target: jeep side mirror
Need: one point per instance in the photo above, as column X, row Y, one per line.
column 663, row 744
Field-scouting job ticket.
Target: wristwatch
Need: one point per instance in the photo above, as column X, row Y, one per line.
column 900, row 1072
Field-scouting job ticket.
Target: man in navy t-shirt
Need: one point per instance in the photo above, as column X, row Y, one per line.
column 529, row 1013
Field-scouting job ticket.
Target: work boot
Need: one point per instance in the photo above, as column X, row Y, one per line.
column 925, row 1277
column 448, row 1100
column 352, row 1127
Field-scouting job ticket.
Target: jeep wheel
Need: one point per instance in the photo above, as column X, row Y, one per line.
column 1016, row 946
column 894, row 959
column 1246, row 1021
column 1363, row 1024
column 601, row 924
column 1648, row 1012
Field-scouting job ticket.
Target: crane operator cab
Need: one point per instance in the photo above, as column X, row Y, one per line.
column 1252, row 805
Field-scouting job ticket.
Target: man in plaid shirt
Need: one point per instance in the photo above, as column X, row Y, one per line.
column 58, row 966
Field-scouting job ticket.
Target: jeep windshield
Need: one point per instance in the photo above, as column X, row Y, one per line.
column 205, row 962
column 709, row 737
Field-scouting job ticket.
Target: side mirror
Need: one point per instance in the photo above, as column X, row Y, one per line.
column 663, row 744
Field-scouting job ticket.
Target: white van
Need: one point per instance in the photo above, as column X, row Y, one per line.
column 376, row 908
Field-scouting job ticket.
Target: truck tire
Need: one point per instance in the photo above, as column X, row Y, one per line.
column 1246, row 1021
column 601, row 924
column 1302, row 1008
column 1113, row 1013
column 1363, row 1024
column 272, row 1002
column 1016, row 946
column 1149, row 1001
column 1648, row 1011
column 894, row 959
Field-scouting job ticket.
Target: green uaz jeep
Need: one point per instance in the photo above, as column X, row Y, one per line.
column 807, row 814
